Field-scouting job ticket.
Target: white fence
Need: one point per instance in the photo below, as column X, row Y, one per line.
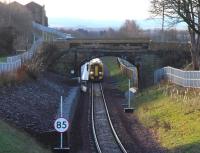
column 14, row 62
column 183, row 78
column 129, row 70
column 51, row 31
column 11, row 66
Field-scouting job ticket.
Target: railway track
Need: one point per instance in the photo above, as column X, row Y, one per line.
column 105, row 137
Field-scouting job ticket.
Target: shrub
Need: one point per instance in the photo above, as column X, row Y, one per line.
column 22, row 74
column 7, row 79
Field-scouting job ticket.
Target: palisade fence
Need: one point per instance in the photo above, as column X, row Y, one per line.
column 14, row 62
column 189, row 79
column 129, row 70
column 51, row 31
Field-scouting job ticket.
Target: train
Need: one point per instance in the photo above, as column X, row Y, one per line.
column 96, row 70
column 91, row 71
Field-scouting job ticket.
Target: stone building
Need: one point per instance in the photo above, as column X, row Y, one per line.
column 38, row 13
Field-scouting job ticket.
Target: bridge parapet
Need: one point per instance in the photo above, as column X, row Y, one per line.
column 169, row 46
column 120, row 45
column 112, row 44
column 116, row 42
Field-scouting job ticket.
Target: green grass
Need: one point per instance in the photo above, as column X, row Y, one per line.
column 15, row 141
column 175, row 121
column 172, row 113
column 2, row 59
column 112, row 65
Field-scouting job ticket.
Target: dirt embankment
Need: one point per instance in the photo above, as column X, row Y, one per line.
column 33, row 105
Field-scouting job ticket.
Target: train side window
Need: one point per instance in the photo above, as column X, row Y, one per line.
column 87, row 67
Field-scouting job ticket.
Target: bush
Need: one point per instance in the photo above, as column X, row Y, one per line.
column 7, row 37
column 19, row 76
column 7, row 79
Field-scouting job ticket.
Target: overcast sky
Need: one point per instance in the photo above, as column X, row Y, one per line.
column 95, row 9
column 96, row 13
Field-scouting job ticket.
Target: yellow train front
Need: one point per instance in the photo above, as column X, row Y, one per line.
column 96, row 70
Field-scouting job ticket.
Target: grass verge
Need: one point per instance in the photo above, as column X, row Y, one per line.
column 173, row 115
column 2, row 59
column 112, row 65
column 15, row 141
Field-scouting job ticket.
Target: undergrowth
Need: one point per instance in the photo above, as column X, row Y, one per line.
column 12, row 78
column 172, row 113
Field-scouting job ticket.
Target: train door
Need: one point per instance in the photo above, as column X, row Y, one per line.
column 96, row 72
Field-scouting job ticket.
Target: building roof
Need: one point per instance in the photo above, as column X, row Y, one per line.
column 33, row 4
column 16, row 4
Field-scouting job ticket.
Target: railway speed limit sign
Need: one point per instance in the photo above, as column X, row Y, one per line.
column 61, row 125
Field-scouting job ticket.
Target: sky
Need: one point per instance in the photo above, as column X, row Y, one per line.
column 95, row 9
column 95, row 13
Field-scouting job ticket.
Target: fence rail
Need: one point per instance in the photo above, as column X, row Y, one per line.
column 11, row 66
column 51, row 31
column 189, row 79
column 14, row 62
column 129, row 70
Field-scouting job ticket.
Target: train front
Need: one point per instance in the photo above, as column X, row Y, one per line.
column 96, row 70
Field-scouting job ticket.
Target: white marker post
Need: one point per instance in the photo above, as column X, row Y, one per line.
column 129, row 94
column 129, row 109
column 61, row 125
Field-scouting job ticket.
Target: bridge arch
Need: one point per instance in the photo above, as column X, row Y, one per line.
column 137, row 52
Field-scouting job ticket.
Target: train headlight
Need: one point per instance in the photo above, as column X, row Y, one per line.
column 91, row 72
column 100, row 73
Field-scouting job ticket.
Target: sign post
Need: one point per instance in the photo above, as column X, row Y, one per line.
column 61, row 125
column 129, row 94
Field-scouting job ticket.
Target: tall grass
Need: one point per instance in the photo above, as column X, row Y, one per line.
column 20, row 75
column 115, row 72
column 172, row 113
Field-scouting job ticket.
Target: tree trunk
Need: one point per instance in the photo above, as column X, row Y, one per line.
column 195, row 49
column 195, row 59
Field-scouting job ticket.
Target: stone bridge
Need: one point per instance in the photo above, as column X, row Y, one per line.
column 143, row 53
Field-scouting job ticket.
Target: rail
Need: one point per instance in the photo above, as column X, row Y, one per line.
column 117, row 140
column 93, row 124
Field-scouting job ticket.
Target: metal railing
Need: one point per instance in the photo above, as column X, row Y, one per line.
column 53, row 31
column 11, row 66
column 189, row 79
column 14, row 62
column 129, row 70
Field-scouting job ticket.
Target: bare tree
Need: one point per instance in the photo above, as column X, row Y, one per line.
column 16, row 17
column 129, row 29
column 21, row 21
column 187, row 11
